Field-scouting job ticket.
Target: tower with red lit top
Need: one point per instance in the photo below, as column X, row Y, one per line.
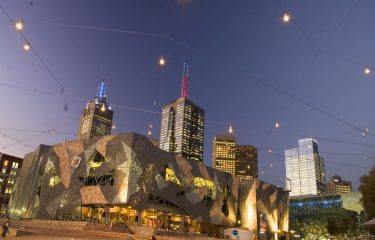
column 182, row 125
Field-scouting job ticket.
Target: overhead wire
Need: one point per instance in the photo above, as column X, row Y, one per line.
column 34, row 51
column 264, row 83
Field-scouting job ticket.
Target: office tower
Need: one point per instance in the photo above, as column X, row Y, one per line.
column 96, row 118
column 224, row 154
column 239, row 160
column 305, row 169
column 182, row 125
column 8, row 167
column 246, row 162
column 337, row 186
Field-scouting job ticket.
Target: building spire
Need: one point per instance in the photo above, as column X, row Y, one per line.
column 101, row 91
column 185, row 80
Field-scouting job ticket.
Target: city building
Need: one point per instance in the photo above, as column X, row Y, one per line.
column 130, row 179
column 312, row 215
column 239, row 160
column 246, row 162
column 224, row 154
column 8, row 166
column 96, row 118
column 182, row 126
column 305, row 170
column 336, row 185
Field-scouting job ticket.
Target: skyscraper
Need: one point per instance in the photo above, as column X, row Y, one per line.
column 224, row 154
column 96, row 118
column 239, row 160
column 305, row 169
column 337, row 186
column 182, row 125
column 246, row 162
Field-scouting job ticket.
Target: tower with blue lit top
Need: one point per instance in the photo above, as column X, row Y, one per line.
column 96, row 117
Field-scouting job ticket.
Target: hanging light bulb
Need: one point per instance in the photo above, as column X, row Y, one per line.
column 161, row 61
column 53, row 131
column 277, row 124
column 26, row 46
column 367, row 71
column 270, row 151
column 286, row 18
column 149, row 132
column 261, row 172
column 19, row 25
column 230, row 130
column 150, row 125
column 365, row 132
column 271, row 165
column 113, row 126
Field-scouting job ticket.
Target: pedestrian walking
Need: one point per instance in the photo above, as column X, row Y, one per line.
column 5, row 227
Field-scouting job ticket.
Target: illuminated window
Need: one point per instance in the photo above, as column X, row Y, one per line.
column 95, row 161
column 171, row 176
column 54, row 180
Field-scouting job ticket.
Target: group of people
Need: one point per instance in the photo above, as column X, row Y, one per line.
column 5, row 227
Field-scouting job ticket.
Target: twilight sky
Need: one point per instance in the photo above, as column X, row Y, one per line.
column 247, row 68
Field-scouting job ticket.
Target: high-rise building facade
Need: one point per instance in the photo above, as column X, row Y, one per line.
column 246, row 162
column 239, row 160
column 305, row 169
column 224, row 154
column 96, row 118
column 182, row 126
column 337, row 186
column 8, row 167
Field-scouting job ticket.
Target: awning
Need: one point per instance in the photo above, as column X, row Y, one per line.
column 370, row 223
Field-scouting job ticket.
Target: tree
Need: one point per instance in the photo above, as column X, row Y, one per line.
column 367, row 189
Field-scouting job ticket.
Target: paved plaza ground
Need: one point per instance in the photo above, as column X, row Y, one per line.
column 43, row 230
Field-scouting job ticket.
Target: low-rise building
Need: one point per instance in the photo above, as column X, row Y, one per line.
column 337, row 186
column 8, row 167
column 127, row 179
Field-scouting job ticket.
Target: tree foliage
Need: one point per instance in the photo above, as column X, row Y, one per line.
column 367, row 189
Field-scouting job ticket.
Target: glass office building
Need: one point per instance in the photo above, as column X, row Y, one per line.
column 305, row 169
column 182, row 129
column 182, row 125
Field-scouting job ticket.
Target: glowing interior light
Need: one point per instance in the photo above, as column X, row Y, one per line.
column 277, row 124
column 367, row 71
column 286, row 18
column 19, row 25
column 102, row 108
column 161, row 61
column 26, row 46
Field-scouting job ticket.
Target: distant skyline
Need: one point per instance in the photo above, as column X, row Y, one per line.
column 244, row 61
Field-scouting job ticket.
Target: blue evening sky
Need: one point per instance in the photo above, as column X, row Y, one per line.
column 231, row 46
